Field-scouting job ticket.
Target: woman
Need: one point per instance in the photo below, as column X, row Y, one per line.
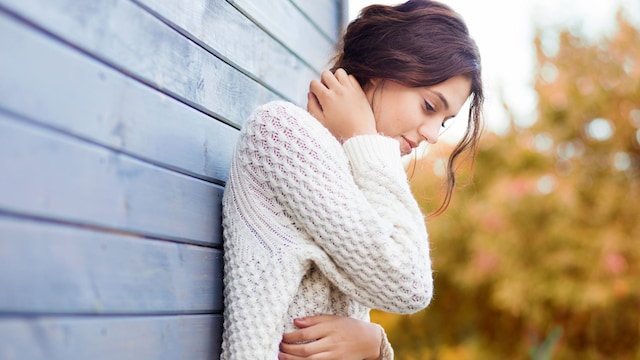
column 318, row 215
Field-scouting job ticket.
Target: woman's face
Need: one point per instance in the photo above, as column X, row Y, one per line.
column 412, row 115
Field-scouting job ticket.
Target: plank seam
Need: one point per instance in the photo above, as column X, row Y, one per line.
column 85, row 140
column 119, row 69
column 34, row 315
column 272, row 35
column 212, row 51
column 312, row 22
column 103, row 229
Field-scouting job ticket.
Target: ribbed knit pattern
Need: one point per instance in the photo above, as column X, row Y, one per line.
column 314, row 227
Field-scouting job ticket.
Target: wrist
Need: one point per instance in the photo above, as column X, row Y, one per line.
column 377, row 338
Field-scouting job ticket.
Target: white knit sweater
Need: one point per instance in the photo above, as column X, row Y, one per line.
column 314, row 227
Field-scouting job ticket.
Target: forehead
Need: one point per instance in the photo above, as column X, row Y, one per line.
column 455, row 86
column 453, row 92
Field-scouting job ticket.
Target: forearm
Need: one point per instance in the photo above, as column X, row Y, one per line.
column 370, row 230
column 388, row 265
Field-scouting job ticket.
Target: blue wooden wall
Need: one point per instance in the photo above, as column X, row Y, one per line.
column 117, row 123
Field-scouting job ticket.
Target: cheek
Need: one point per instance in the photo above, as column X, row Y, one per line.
column 383, row 125
column 393, row 120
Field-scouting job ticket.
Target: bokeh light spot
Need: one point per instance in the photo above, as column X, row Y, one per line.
column 621, row 161
column 546, row 184
column 439, row 167
column 549, row 72
column 600, row 129
column 566, row 150
column 543, row 142
column 634, row 116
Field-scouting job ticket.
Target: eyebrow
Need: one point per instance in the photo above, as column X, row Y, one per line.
column 445, row 102
column 442, row 98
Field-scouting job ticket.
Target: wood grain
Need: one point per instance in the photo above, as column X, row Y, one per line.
column 193, row 337
column 285, row 22
column 128, row 38
column 46, row 174
column 81, row 96
column 222, row 30
column 48, row 268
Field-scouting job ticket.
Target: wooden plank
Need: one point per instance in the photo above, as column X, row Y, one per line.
column 50, row 268
column 127, row 37
column 74, row 93
column 325, row 14
column 222, row 30
column 288, row 25
column 50, row 175
column 194, row 337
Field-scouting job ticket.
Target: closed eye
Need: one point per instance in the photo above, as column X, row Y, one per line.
column 429, row 106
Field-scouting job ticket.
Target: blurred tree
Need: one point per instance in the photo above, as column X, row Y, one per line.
column 546, row 240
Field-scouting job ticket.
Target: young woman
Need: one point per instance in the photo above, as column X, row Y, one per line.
column 319, row 222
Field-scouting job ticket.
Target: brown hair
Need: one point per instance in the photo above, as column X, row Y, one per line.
column 418, row 43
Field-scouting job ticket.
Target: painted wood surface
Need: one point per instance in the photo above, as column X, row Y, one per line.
column 46, row 174
column 84, row 271
column 284, row 21
column 128, row 38
column 222, row 30
column 118, row 121
column 326, row 15
column 191, row 337
column 81, row 96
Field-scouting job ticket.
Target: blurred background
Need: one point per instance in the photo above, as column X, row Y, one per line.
column 538, row 255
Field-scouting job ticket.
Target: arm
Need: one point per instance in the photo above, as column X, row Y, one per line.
column 335, row 337
column 371, row 230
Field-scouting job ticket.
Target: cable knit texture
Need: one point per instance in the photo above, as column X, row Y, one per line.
column 312, row 227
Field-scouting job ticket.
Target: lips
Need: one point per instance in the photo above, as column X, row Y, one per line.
column 407, row 145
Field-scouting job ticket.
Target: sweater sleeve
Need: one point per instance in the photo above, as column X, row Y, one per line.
column 386, row 351
column 366, row 221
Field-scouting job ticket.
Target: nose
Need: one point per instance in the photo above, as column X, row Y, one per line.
column 430, row 130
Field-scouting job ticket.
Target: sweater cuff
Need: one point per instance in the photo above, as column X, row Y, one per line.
column 386, row 351
column 372, row 148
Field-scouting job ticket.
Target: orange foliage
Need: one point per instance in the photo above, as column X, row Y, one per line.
column 544, row 237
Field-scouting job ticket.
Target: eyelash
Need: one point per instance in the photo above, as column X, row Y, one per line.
column 429, row 106
column 432, row 109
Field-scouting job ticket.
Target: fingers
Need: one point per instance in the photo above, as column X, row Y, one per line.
column 302, row 335
column 305, row 350
column 313, row 320
column 354, row 82
column 341, row 76
column 313, row 107
column 331, row 80
column 318, row 89
column 335, row 80
column 311, row 328
column 304, row 343
column 346, row 110
column 331, row 83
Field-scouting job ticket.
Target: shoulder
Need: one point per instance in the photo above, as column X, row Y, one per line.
column 279, row 107
column 280, row 131
column 286, row 120
column 280, row 115
column 279, row 110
